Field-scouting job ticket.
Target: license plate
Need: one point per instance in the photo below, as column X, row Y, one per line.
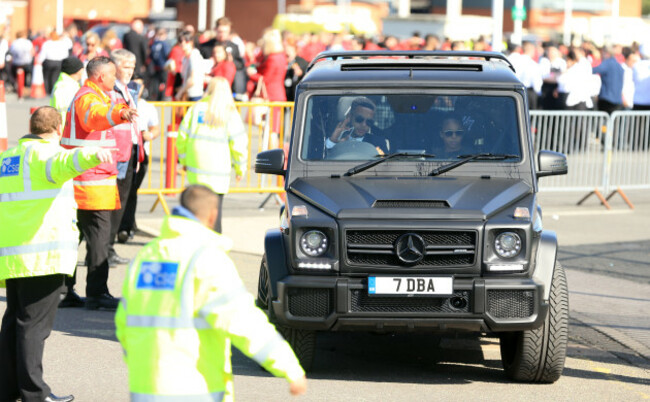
column 408, row 285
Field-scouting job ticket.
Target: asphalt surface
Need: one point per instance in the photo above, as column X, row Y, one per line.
column 605, row 253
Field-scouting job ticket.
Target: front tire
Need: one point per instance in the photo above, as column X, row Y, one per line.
column 538, row 355
column 303, row 342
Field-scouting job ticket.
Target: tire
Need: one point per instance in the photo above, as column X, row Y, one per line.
column 303, row 342
column 263, row 285
column 538, row 355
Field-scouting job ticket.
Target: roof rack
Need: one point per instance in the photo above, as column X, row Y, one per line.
column 409, row 54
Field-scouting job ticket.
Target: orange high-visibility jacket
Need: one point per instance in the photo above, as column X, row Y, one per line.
column 89, row 122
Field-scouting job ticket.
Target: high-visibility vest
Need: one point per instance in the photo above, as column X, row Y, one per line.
column 182, row 305
column 63, row 93
column 124, row 132
column 38, row 213
column 209, row 152
column 96, row 189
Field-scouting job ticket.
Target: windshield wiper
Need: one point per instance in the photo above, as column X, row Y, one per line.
column 384, row 158
column 467, row 158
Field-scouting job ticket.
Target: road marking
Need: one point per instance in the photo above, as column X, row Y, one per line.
column 551, row 214
column 611, row 377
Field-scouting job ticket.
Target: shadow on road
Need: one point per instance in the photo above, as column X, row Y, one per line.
column 80, row 322
column 621, row 260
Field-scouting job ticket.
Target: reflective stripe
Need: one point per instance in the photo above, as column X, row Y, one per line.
column 219, row 140
column 103, row 182
column 221, row 300
column 108, row 116
column 206, row 172
column 154, row 321
column 181, row 155
column 187, row 287
column 211, row 397
column 263, row 354
column 88, row 111
column 39, row 248
column 75, row 159
column 239, row 163
column 35, row 195
column 48, row 170
column 88, row 143
column 27, row 180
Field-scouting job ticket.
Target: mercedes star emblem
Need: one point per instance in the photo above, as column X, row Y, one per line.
column 410, row 248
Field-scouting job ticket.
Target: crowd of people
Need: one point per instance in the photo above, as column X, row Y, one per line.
column 584, row 77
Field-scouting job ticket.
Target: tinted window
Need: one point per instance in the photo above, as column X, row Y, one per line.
column 362, row 127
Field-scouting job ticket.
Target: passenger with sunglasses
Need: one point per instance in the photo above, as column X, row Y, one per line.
column 359, row 125
column 452, row 134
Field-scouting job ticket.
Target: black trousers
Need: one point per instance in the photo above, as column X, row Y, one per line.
column 128, row 219
column 217, row 223
column 27, row 323
column 124, row 188
column 28, row 75
column 608, row 107
column 95, row 227
column 51, row 71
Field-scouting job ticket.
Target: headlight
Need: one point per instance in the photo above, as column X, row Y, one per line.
column 313, row 243
column 507, row 244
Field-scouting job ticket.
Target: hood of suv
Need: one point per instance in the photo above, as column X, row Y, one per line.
column 410, row 197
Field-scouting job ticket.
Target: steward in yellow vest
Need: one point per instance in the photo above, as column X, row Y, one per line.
column 183, row 303
column 38, row 247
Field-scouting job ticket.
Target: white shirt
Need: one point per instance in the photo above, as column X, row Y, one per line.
column 547, row 66
column 193, row 66
column 641, row 77
column 528, row 71
column 628, row 86
column 55, row 50
column 579, row 83
column 147, row 117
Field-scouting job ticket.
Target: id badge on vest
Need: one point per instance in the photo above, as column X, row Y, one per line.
column 155, row 275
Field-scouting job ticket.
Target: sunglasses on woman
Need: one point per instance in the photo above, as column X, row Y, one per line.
column 449, row 133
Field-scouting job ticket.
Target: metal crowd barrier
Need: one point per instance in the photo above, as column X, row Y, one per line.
column 163, row 175
column 606, row 154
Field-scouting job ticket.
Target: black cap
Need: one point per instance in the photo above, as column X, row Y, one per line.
column 71, row 65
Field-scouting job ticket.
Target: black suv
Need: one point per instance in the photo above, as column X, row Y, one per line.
column 412, row 205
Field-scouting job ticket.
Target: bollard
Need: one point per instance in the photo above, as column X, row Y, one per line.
column 170, row 158
column 20, row 78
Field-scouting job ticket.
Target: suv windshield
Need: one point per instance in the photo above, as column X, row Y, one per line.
column 440, row 127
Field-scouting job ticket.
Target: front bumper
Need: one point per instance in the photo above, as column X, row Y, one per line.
column 342, row 303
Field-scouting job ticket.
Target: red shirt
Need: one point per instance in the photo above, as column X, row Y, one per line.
column 225, row 69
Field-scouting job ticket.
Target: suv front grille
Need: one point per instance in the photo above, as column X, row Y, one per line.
column 510, row 303
column 409, row 204
column 361, row 302
column 451, row 248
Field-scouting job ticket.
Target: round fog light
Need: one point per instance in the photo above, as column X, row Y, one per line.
column 507, row 244
column 313, row 243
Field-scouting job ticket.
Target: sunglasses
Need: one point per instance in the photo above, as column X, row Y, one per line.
column 449, row 133
column 361, row 119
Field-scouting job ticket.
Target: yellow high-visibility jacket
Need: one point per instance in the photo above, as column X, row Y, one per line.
column 65, row 88
column 183, row 303
column 38, row 212
column 208, row 153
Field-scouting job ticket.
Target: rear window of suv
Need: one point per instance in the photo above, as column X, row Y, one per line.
column 362, row 126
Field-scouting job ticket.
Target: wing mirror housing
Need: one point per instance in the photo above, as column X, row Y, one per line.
column 270, row 162
column 551, row 163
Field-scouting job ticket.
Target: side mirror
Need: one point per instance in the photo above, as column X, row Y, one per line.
column 270, row 162
column 551, row 163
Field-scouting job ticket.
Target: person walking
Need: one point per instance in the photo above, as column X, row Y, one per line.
column 184, row 304
column 22, row 56
column 67, row 85
column 50, row 57
column 129, row 144
column 192, row 70
column 36, row 196
column 610, row 98
column 135, row 42
column 211, row 139
column 90, row 121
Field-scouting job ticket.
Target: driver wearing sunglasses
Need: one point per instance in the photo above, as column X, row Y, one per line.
column 359, row 125
column 452, row 134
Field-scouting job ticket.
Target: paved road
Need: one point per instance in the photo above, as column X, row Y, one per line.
column 606, row 254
